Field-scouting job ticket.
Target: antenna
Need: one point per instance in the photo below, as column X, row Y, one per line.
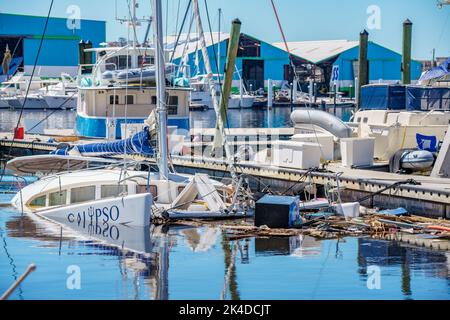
column 132, row 20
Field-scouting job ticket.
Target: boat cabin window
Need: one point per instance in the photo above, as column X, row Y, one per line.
column 115, row 190
column 365, row 119
column 358, row 119
column 82, row 194
column 172, row 106
column 129, row 99
column 123, row 62
column 117, row 63
column 111, row 64
column 57, row 198
column 146, row 60
column 38, row 202
column 143, row 189
column 113, row 99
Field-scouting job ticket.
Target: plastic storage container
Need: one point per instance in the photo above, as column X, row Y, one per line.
column 357, row 151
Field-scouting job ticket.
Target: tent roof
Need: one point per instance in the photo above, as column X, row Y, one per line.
column 318, row 51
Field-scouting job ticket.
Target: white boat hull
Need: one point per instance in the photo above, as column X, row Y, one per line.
column 32, row 102
column 247, row 102
column 3, row 103
column 61, row 102
column 132, row 210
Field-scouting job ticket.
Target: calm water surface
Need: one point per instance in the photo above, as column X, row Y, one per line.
column 277, row 117
column 203, row 263
column 247, row 118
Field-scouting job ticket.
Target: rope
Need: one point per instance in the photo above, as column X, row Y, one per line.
column 29, row 83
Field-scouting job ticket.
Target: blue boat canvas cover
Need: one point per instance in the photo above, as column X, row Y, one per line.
column 437, row 72
column 137, row 144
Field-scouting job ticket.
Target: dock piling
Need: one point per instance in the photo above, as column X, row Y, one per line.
column 406, row 55
column 363, row 76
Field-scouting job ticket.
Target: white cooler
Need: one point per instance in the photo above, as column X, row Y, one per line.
column 297, row 155
column 357, row 151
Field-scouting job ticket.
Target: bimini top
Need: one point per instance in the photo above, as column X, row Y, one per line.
column 50, row 163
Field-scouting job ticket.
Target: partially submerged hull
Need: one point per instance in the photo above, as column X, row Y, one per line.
column 132, row 210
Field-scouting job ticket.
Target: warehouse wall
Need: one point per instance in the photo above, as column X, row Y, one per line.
column 274, row 61
column 384, row 65
column 60, row 47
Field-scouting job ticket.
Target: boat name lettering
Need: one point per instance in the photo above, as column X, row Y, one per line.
column 104, row 215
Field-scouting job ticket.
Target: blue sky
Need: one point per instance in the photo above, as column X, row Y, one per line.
column 301, row 19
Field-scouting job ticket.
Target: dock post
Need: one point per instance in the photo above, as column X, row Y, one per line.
column 294, row 89
column 406, row 55
column 311, row 92
column 230, row 63
column 241, row 89
column 269, row 94
column 363, row 76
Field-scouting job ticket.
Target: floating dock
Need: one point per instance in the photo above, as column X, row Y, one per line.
column 421, row 195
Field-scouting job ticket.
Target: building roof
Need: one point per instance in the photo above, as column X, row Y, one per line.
column 192, row 42
column 317, row 51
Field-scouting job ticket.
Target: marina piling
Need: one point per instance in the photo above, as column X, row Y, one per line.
column 229, row 72
column 406, row 54
column 363, row 75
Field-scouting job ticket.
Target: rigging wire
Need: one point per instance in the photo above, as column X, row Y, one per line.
column 181, row 29
column 29, row 85
column 295, row 74
column 53, row 112
column 178, row 16
column 216, row 59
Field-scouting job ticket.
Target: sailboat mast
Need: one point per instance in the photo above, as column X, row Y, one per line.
column 218, row 46
column 160, row 90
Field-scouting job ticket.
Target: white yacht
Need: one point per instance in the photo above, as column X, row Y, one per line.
column 62, row 95
column 104, row 104
column 201, row 95
column 12, row 92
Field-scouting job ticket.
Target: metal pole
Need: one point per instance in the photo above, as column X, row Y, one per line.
column 406, row 56
column 160, row 90
column 219, row 72
column 363, row 78
column 11, row 289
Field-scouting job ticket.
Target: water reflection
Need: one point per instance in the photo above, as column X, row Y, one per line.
column 51, row 119
column 408, row 258
column 175, row 262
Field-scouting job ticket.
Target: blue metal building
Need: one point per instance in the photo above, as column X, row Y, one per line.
column 336, row 61
column 59, row 53
column 256, row 60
